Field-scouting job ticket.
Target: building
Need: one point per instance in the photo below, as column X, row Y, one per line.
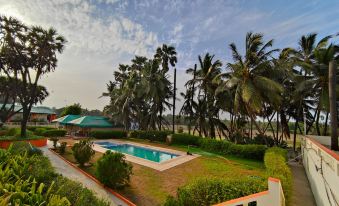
column 40, row 114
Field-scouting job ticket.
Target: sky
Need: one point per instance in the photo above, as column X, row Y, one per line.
column 102, row 34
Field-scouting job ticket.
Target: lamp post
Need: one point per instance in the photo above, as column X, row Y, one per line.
column 174, row 94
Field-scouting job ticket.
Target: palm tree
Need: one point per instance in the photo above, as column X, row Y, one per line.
column 205, row 107
column 166, row 55
column 250, row 77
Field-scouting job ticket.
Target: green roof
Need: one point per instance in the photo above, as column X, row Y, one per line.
column 92, row 122
column 35, row 110
column 65, row 119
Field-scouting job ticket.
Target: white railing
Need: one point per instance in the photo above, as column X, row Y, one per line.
column 274, row 196
column 322, row 169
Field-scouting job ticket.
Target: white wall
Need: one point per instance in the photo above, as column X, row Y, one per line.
column 322, row 169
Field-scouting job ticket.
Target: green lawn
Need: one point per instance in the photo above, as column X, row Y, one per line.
column 151, row 187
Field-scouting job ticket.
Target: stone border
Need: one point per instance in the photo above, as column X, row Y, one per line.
column 122, row 198
column 182, row 156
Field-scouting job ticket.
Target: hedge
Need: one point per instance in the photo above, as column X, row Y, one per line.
column 222, row 147
column 159, row 136
column 33, row 128
column 185, row 139
column 54, row 133
column 212, row 191
column 108, row 134
column 276, row 166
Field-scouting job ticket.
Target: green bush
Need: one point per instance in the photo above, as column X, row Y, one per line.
column 113, row 170
column 263, row 140
column 185, row 139
column 33, row 128
column 18, row 188
column 22, row 147
column 222, row 147
column 76, row 193
column 28, row 179
column 108, row 134
column 54, row 133
column 39, row 131
column 83, row 151
column 276, row 166
column 159, row 136
column 211, row 191
column 62, row 147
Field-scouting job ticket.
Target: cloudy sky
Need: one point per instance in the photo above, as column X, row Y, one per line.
column 103, row 33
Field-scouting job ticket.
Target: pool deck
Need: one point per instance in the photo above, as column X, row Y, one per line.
column 182, row 156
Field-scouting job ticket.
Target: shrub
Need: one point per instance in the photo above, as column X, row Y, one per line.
column 185, row 139
column 39, row 131
column 113, row 170
column 76, row 193
column 108, row 134
column 222, row 147
column 180, row 130
column 159, row 136
column 54, row 133
column 21, row 147
column 62, row 147
column 83, row 151
column 263, row 140
column 55, row 141
column 212, row 191
column 276, row 166
column 32, row 181
column 21, row 189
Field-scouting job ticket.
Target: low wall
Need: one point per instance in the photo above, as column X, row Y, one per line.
column 322, row 168
column 4, row 144
column 274, row 196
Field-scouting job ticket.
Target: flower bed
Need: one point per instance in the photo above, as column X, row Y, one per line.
column 4, row 144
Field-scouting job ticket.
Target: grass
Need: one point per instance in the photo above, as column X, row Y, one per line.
column 151, row 187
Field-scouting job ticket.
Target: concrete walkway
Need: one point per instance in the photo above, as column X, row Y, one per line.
column 302, row 193
column 66, row 170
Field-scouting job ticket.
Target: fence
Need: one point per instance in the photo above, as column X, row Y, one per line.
column 322, row 169
column 274, row 196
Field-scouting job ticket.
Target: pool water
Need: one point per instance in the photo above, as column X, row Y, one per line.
column 142, row 152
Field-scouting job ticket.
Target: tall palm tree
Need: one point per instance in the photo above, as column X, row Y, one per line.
column 250, row 77
column 206, row 105
column 166, row 55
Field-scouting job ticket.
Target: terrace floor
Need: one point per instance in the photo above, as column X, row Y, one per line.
column 66, row 170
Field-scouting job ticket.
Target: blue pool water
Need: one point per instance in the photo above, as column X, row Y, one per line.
column 142, row 152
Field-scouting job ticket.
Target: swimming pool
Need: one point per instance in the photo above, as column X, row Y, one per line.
column 141, row 152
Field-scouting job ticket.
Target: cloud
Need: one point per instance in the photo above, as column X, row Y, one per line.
column 95, row 46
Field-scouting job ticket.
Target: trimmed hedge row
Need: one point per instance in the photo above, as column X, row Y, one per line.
column 159, row 136
column 185, row 139
column 276, row 166
column 250, row 151
column 108, row 134
column 54, row 133
column 212, row 191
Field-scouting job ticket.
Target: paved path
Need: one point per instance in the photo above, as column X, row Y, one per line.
column 302, row 193
column 68, row 171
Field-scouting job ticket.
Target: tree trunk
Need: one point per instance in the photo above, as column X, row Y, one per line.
column 325, row 126
column 25, row 117
column 295, row 134
column 333, row 104
column 317, row 123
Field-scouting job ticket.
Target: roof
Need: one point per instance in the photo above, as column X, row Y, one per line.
column 65, row 119
column 91, row 122
column 35, row 110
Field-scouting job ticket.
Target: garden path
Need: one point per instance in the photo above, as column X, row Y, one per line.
column 302, row 193
column 66, row 170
